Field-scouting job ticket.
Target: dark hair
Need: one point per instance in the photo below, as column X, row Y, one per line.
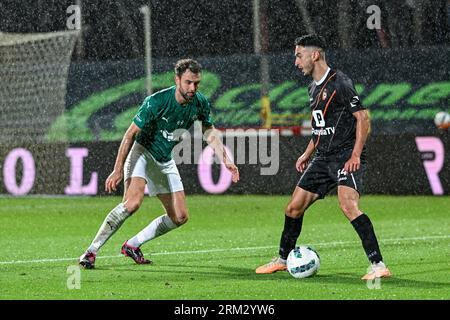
column 311, row 40
column 184, row 64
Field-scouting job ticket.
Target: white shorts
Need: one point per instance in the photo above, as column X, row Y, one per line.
column 161, row 177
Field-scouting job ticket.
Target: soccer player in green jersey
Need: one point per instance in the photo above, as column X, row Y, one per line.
column 145, row 158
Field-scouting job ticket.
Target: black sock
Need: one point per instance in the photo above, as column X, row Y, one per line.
column 291, row 231
column 364, row 228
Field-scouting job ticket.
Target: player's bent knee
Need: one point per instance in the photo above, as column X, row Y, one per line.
column 181, row 218
column 350, row 211
column 293, row 212
column 132, row 205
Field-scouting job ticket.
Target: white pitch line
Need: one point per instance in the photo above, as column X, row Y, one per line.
column 333, row 243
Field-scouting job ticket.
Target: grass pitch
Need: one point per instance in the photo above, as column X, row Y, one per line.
column 215, row 254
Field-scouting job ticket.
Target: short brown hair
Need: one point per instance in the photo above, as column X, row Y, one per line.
column 187, row 64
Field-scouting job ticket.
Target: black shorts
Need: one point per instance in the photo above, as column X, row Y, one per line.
column 324, row 173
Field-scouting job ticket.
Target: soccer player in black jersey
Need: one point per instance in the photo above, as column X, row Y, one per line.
column 335, row 156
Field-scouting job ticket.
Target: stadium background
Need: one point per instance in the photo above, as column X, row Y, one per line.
column 401, row 72
column 66, row 99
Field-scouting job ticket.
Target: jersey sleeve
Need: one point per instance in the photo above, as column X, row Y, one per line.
column 146, row 113
column 204, row 114
column 350, row 97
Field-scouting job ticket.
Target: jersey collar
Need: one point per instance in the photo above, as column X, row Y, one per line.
column 318, row 83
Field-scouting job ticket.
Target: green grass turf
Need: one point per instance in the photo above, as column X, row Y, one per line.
column 214, row 255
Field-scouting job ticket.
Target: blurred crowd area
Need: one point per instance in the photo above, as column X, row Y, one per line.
column 115, row 29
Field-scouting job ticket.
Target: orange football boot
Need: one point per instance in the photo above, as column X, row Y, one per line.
column 271, row 267
column 378, row 270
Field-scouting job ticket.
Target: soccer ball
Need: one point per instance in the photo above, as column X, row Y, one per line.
column 442, row 119
column 303, row 262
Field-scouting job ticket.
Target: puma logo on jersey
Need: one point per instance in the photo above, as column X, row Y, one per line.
column 165, row 119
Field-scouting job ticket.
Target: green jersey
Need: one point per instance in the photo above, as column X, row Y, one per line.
column 160, row 115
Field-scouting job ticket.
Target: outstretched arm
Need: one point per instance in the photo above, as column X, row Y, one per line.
column 362, row 131
column 116, row 176
column 213, row 139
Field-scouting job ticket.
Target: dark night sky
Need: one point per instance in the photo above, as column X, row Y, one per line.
column 114, row 29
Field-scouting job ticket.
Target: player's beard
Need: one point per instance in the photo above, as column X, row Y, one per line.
column 307, row 70
column 186, row 96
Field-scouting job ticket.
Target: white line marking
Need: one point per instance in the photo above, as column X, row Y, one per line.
column 318, row 244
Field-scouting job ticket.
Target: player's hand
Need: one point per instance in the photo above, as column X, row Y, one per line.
column 352, row 164
column 234, row 171
column 113, row 180
column 302, row 163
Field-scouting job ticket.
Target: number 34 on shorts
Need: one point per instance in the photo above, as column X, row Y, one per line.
column 342, row 174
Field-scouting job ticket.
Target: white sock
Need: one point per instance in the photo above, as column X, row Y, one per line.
column 110, row 225
column 156, row 228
